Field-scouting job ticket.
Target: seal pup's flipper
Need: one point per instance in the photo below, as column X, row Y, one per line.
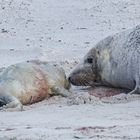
column 8, row 102
column 61, row 91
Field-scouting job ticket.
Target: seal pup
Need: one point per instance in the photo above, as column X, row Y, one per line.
column 30, row 82
column 113, row 62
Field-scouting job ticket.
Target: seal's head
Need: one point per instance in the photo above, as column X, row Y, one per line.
column 85, row 74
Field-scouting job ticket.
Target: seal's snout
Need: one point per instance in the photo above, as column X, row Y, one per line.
column 70, row 79
column 76, row 80
column 82, row 74
column 67, row 84
column 73, row 79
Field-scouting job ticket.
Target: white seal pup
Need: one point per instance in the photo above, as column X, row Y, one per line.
column 30, row 82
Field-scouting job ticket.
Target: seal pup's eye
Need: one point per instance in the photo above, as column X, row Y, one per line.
column 90, row 60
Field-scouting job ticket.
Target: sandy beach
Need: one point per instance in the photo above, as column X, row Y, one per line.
column 61, row 32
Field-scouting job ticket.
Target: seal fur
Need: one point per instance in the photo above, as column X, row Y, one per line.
column 30, row 82
column 113, row 62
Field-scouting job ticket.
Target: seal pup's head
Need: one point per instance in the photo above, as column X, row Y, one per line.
column 85, row 73
column 62, row 78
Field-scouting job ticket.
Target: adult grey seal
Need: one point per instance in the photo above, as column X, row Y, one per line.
column 30, row 82
column 113, row 62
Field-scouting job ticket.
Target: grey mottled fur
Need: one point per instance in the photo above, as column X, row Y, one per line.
column 117, row 61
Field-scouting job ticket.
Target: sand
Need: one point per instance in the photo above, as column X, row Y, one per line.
column 61, row 32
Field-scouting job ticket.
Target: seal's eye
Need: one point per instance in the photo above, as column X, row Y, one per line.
column 90, row 60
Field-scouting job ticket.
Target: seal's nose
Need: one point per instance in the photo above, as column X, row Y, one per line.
column 69, row 78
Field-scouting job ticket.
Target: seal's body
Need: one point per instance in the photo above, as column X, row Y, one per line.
column 114, row 61
column 30, row 82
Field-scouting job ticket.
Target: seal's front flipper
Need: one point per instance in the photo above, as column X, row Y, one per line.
column 137, row 87
column 135, row 91
column 10, row 102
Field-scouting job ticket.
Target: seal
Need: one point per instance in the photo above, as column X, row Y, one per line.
column 113, row 62
column 30, row 82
